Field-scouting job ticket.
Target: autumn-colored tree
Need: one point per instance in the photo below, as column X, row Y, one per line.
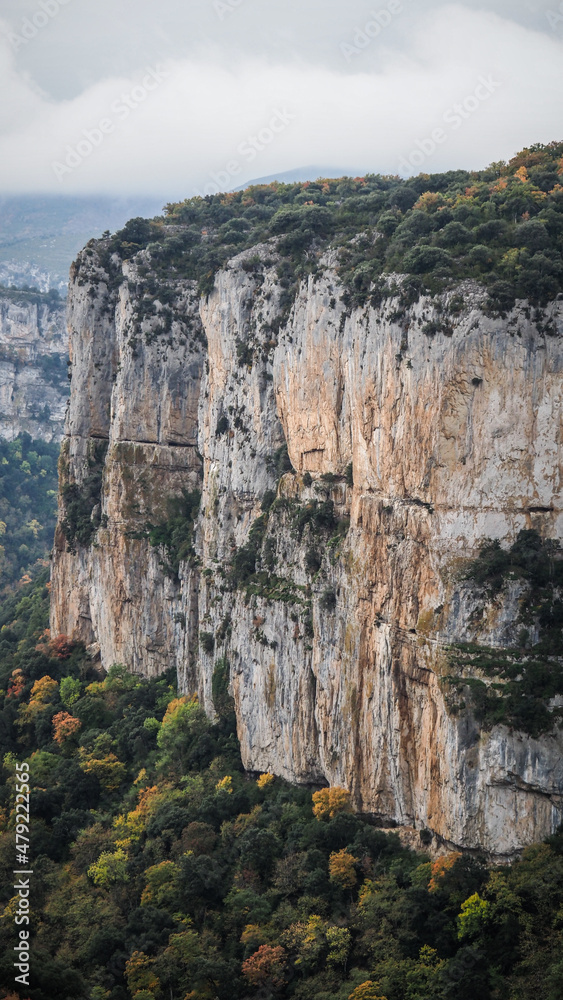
column 65, row 727
column 341, row 869
column 327, row 802
column 367, row 991
column 264, row 780
column 60, row 647
column 439, row 869
column 109, row 771
column 140, row 975
column 225, row 785
column 429, row 202
column 131, row 826
column 42, row 696
column 16, row 684
column 266, row 966
column 43, row 690
column 308, row 939
column 253, row 936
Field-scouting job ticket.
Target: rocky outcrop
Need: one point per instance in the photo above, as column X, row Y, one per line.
column 411, row 440
column 33, row 367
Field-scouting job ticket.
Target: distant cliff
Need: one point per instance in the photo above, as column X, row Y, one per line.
column 348, row 505
column 33, row 365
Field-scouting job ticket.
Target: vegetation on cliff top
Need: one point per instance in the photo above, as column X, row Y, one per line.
column 162, row 871
column 502, row 226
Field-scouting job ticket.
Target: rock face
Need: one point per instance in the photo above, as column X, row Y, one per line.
column 336, row 604
column 33, row 369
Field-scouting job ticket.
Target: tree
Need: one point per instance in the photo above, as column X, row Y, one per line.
column 109, row 869
column 439, row 869
column 109, row 771
column 43, row 694
column 424, row 979
column 329, row 801
column 475, row 913
column 341, row 868
column 65, row 727
column 308, row 939
column 367, row 991
column 267, row 966
column 160, row 889
column 140, row 976
column 70, row 691
column 339, row 942
column 264, row 781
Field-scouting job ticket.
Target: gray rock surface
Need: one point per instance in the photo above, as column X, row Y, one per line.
column 338, row 675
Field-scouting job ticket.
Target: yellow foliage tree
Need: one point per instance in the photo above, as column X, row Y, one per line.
column 133, row 824
column 109, row 771
column 341, row 869
column 225, row 785
column 264, row 780
column 329, row 801
column 41, row 698
column 475, row 913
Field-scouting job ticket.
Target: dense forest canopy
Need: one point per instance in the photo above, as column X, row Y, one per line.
column 502, row 226
column 162, row 870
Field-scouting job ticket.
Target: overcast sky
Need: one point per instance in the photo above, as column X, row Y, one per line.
column 170, row 97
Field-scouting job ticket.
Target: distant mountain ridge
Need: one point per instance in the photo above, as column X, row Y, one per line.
column 300, row 174
column 40, row 235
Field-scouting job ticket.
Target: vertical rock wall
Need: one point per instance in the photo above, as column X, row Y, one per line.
column 407, row 449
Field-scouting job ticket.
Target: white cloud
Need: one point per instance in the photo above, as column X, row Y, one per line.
column 193, row 122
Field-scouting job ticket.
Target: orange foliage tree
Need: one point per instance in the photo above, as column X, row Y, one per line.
column 65, row 726
column 16, row 683
column 439, row 869
column 367, row 991
column 267, row 965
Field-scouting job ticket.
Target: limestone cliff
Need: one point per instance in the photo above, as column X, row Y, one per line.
column 33, row 370
column 335, row 589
